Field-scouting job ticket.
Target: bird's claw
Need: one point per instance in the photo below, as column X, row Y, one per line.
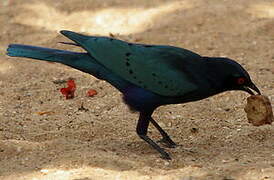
column 165, row 156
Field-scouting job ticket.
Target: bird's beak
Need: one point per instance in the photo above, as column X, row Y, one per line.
column 253, row 87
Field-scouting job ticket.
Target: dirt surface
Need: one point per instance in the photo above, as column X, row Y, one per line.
column 67, row 143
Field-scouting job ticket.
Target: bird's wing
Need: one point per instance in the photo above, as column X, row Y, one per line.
column 163, row 70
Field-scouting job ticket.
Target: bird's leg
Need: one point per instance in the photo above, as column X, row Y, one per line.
column 141, row 130
column 166, row 139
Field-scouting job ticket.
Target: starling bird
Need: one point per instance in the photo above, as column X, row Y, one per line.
column 148, row 76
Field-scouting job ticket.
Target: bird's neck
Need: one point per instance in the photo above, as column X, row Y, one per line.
column 216, row 74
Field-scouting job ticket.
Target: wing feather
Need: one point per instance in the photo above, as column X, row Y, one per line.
column 163, row 70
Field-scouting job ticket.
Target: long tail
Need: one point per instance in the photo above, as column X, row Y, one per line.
column 81, row 61
column 41, row 53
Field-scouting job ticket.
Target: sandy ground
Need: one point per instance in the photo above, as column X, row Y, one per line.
column 68, row 143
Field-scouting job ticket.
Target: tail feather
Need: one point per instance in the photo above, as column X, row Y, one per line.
column 46, row 54
column 81, row 61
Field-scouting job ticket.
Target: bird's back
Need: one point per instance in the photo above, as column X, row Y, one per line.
column 164, row 70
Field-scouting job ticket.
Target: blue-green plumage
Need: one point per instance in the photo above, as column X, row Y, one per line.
column 155, row 68
column 147, row 75
column 81, row 61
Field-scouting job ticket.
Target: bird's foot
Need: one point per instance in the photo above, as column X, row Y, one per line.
column 168, row 142
column 165, row 155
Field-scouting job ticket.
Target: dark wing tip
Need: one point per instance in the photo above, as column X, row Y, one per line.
column 76, row 37
column 67, row 33
column 64, row 32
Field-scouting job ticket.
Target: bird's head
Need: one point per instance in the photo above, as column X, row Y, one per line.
column 230, row 75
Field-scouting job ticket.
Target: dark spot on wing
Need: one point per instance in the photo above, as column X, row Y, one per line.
column 128, row 54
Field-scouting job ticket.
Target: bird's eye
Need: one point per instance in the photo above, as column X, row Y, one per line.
column 240, row 80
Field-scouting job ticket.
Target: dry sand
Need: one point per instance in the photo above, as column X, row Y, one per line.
column 100, row 143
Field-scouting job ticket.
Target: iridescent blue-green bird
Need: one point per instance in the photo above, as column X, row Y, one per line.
column 148, row 76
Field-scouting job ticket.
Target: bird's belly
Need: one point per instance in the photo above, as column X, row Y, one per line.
column 140, row 99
